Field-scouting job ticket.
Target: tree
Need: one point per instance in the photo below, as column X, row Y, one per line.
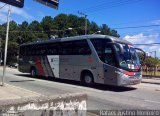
column 105, row 29
column 61, row 25
column 93, row 27
column 36, row 28
column 48, row 25
column 61, row 22
column 114, row 33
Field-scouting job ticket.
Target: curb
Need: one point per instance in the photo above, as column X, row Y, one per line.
column 151, row 82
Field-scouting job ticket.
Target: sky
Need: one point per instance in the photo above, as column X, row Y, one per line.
column 136, row 21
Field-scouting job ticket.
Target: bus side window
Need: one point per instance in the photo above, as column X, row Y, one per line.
column 81, row 47
column 97, row 43
column 31, row 50
column 66, row 48
column 40, row 49
column 53, row 49
column 22, row 51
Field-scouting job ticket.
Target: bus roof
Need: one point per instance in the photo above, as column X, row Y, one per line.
column 93, row 36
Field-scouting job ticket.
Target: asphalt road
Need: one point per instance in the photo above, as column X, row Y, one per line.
column 100, row 97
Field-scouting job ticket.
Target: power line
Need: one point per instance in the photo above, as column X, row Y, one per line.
column 148, row 44
column 149, row 31
column 101, row 5
column 109, row 5
column 29, row 31
column 143, row 26
column 137, row 21
column 3, row 6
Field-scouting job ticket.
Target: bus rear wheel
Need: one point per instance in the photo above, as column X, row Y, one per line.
column 33, row 72
column 88, row 79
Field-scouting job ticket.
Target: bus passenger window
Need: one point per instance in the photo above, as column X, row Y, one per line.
column 81, row 47
column 98, row 43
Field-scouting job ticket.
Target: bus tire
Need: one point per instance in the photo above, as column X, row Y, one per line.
column 87, row 79
column 33, row 72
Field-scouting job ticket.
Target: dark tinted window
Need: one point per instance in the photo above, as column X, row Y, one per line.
column 40, row 49
column 81, row 47
column 53, row 49
column 22, row 50
column 104, row 50
column 66, row 48
column 98, row 44
column 30, row 50
column 109, row 56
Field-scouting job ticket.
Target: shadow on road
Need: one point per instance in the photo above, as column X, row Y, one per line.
column 96, row 86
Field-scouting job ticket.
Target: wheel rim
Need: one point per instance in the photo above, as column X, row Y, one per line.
column 88, row 79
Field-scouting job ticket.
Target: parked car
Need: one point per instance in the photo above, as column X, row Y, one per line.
column 14, row 65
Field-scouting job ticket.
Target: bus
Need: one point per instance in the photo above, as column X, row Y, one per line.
column 90, row 59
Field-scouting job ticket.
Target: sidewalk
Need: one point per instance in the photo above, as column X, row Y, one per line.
column 151, row 80
column 10, row 92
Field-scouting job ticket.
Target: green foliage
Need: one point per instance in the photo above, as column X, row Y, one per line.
column 61, row 25
column 149, row 61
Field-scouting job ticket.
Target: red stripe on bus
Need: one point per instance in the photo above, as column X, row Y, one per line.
column 90, row 60
column 40, row 68
column 129, row 73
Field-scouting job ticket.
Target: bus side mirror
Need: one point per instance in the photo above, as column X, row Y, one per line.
column 144, row 54
column 119, row 46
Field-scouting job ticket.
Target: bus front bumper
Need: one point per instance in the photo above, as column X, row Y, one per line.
column 129, row 80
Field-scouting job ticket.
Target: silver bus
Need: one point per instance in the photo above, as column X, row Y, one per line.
column 88, row 58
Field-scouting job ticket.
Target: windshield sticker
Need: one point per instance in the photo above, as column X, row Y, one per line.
column 137, row 67
column 131, row 66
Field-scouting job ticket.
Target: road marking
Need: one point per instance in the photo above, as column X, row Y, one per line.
column 152, row 101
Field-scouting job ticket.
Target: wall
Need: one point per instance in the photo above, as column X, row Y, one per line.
column 63, row 105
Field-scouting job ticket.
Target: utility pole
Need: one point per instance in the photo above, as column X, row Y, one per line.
column 155, row 68
column 6, row 45
column 85, row 16
column 0, row 51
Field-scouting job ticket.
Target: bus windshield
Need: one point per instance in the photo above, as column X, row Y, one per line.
column 129, row 59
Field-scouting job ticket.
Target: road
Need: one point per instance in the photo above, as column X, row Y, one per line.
column 142, row 97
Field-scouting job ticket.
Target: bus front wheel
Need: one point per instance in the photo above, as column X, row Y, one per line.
column 88, row 79
column 33, row 72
